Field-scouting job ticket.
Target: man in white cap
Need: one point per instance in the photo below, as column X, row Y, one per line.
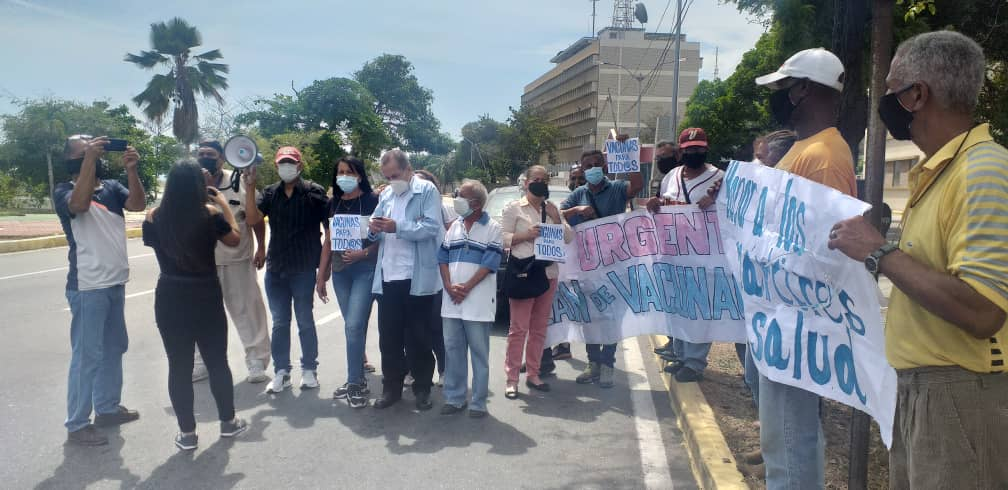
column 806, row 95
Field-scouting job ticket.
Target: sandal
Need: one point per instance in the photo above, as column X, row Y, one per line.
column 511, row 392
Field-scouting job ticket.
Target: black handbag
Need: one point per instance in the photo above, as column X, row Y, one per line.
column 526, row 278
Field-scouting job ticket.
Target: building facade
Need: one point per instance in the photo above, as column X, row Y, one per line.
column 594, row 84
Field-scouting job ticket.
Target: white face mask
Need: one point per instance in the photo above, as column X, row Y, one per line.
column 399, row 186
column 461, row 206
column 288, row 172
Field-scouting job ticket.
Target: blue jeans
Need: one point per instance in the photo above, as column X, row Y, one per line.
column 751, row 376
column 353, row 293
column 791, row 436
column 98, row 341
column 693, row 356
column 602, row 354
column 281, row 290
column 460, row 335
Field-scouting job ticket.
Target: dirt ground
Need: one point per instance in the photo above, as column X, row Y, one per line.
column 733, row 407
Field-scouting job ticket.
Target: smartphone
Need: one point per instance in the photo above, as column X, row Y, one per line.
column 211, row 192
column 116, row 145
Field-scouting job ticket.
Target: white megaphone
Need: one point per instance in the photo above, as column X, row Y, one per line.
column 241, row 152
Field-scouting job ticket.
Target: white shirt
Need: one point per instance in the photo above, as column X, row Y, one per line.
column 397, row 261
column 224, row 254
column 465, row 253
column 671, row 185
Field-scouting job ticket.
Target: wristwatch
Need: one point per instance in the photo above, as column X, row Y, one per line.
column 872, row 261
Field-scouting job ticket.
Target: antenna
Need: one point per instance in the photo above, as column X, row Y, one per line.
column 623, row 14
column 593, row 2
column 715, row 62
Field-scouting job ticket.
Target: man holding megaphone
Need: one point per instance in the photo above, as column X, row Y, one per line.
column 236, row 268
column 298, row 213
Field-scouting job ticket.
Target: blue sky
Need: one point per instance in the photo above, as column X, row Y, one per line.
column 476, row 55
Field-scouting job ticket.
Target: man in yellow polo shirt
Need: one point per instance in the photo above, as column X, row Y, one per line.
column 945, row 333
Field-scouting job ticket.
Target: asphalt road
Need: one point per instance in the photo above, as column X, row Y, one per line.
column 573, row 437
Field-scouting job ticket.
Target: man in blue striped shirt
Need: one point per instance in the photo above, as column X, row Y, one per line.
column 468, row 259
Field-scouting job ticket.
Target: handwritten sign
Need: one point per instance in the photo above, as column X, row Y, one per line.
column 623, row 156
column 813, row 317
column 346, row 232
column 550, row 244
column 641, row 273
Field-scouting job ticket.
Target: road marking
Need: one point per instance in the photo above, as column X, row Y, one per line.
column 654, row 460
column 328, row 318
column 57, row 269
column 128, row 296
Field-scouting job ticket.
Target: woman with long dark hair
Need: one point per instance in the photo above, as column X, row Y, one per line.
column 352, row 273
column 188, row 302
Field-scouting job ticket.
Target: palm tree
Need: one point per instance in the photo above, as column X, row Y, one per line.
column 190, row 75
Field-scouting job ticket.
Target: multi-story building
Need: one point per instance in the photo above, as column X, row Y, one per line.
column 594, row 85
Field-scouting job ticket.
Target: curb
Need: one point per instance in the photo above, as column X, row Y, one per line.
column 712, row 462
column 27, row 244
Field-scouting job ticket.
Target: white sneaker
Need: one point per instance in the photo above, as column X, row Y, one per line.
column 199, row 373
column 257, row 373
column 309, row 380
column 280, row 382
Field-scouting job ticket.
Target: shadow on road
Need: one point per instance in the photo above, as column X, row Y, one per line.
column 83, row 466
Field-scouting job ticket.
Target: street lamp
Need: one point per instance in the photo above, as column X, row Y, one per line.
column 640, row 85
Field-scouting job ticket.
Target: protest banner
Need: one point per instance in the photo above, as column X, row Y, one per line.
column 345, row 231
column 813, row 317
column 550, row 244
column 623, row 156
column 641, row 273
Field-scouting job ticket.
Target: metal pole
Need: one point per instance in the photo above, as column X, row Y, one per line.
column 640, row 88
column 675, row 83
column 882, row 21
column 52, row 188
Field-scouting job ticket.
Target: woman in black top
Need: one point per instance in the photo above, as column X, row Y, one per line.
column 188, row 303
column 352, row 273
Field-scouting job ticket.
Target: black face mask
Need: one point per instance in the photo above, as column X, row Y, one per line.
column 694, row 160
column 539, row 189
column 895, row 117
column 781, row 107
column 666, row 164
column 210, row 164
column 102, row 171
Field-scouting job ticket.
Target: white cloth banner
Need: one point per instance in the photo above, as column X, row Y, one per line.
column 637, row 273
column 813, row 316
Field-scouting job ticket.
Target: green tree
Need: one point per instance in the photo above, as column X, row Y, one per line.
column 189, row 75
column 403, row 105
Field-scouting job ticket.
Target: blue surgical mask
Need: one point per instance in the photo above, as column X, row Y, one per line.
column 346, row 183
column 594, row 175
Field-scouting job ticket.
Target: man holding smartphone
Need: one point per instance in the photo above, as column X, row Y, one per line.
column 90, row 209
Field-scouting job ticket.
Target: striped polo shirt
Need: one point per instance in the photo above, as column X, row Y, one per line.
column 956, row 222
column 465, row 252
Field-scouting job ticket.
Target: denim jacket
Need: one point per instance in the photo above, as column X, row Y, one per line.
column 424, row 227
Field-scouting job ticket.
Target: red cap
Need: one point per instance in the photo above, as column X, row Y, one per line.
column 288, row 153
column 692, row 137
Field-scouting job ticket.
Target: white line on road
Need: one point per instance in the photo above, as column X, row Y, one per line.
column 654, row 460
column 57, row 269
column 328, row 318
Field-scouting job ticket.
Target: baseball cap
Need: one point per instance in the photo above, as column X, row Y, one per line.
column 817, row 64
column 693, row 137
column 288, row 153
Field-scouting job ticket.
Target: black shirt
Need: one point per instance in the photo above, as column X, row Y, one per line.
column 295, row 226
column 193, row 255
column 363, row 205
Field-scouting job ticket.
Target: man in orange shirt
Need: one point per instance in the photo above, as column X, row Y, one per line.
column 806, row 94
